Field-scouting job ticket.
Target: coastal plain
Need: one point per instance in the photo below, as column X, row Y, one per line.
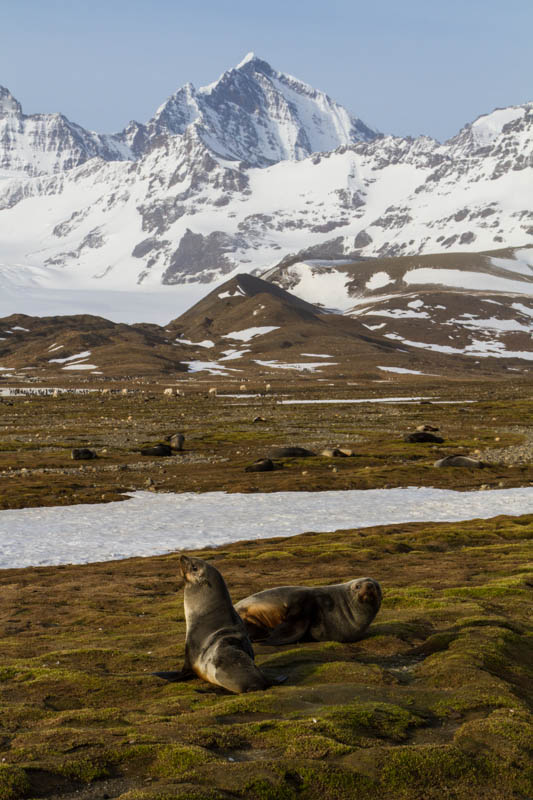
column 435, row 702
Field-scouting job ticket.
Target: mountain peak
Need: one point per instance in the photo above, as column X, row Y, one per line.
column 259, row 116
column 246, row 60
column 8, row 104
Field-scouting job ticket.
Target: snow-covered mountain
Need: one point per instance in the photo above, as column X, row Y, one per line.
column 253, row 114
column 255, row 170
column 44, row 144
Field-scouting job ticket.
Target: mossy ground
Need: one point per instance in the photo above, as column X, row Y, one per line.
column 435, row 702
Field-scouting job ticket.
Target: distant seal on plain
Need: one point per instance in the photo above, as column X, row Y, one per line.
column 261, row 465
column 157, row 450
column 423, row 436
column 459, row 461
column 427, row 428
column 176, row 441
column 291, row 452
column 340, row 612
column 82, row 453
column 217, row 645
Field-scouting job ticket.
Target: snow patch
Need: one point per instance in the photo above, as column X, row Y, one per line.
column 378, row 280
column 145, row 524
column 303, row 367
column 402, row 371
column 462, row 279
column 204, row 343
column 80, row 366
column 248, row 333
column 85, row 354
column 212, row 367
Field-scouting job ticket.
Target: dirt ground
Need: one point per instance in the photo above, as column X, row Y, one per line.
column 435, row 702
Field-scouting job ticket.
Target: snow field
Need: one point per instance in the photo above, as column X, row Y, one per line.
column 149, row 524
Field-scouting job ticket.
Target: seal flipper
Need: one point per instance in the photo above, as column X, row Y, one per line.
column 181, row 675
column 277, row 680
column 288, row 632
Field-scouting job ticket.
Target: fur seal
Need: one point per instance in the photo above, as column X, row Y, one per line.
column 422, row 436
column 292, row 452
column 217, row 645
column 459, row 461
column 341, row 612
column 82, row 453
column 176, row 441
column 261, row 465
column 157, row 450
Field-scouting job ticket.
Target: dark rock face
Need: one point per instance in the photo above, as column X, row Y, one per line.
column 362, row 239
column 211, row 253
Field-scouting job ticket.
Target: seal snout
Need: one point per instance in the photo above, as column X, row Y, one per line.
column 185, row 565
column 369, row 592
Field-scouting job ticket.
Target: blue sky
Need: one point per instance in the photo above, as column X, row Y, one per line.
column 408, row 67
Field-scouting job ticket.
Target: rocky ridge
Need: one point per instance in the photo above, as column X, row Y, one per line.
column 473, row 304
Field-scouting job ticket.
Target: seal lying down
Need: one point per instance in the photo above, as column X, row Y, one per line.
column 217, row 645
column 340, row 613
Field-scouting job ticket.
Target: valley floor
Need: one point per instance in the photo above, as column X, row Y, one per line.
column 435, row 702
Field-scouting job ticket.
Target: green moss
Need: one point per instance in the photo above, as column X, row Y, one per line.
column 472, row 698
column 343, row 672
column 7, row 673
column 265, row 789
column 174, row 760
column 182, row 792
column 222, row 737
column 249, row 703
column 359, row 721
column 506, row 736
column 14, row 782
column 87, row 769
column 315, row 747
column 330, row 783
column 408, row 771
column 273, row 554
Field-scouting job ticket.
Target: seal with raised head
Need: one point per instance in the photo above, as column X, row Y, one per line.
column 217, row 645
column 340, row 613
